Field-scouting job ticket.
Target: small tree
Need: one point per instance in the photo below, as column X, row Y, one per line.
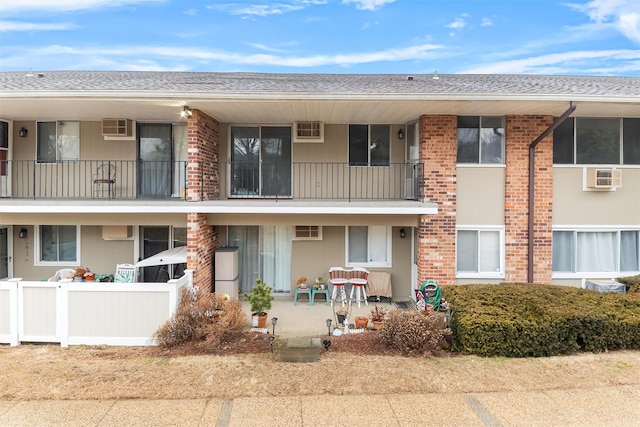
column 259, row 298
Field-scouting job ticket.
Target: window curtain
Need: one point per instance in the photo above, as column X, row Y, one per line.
column 358, row 244
column 467, row 245
column 489, row 250
column 276, row 257
column 597, row 251
column 629, row 251
column 563, row 251
column 180, row 141
column 247, row 239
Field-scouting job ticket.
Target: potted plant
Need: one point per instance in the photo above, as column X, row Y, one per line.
column 260, row 300
column 378, row 314
column 361, row 322
column 302, row 282
column 319, row 282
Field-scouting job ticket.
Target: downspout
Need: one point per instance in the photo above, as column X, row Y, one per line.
column 532, row 163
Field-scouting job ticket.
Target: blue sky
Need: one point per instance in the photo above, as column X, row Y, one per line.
column 592, row 37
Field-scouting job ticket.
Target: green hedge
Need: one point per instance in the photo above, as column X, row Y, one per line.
column 524, row 320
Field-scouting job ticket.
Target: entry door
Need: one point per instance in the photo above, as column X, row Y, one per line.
column 154, row 160
column 5, row 187
column 6, row 266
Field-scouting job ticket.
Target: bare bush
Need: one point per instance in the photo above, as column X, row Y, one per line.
column 202, row 317
column 411, row 333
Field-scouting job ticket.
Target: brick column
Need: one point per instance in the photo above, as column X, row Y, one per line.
column 437, row 233
column 203, row 183
column 520, row 132
column 203, row 170
column 202, row 241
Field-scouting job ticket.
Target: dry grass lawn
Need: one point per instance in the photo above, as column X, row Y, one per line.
column 31, row 372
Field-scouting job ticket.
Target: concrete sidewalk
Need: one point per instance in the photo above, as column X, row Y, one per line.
column 611, row 406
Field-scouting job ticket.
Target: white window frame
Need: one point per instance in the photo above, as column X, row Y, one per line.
column 38, row 243
column 594, row 274
column 59, row 137
column 384, row 264
column 483, row 274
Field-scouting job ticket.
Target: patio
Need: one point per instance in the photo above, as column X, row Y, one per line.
column 304, row 320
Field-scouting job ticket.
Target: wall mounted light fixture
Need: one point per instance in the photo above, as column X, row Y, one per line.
column 186, row 112
column 23, row 132
column 400, row 134
column 402, row 233
column 22, row 233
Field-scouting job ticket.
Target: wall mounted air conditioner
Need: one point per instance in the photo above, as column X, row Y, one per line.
column 308, row 132
column 604, row 178
column 117, row 127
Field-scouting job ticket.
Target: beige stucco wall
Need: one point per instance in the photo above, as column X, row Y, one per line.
column 101, row 256
column 573, row 206
column 480, row 196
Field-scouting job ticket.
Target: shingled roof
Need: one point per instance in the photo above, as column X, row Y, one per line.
column 12, row 83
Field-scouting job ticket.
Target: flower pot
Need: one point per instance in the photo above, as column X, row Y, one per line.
column 361, row 322
column 341, row 318
column 377, row 324
column 259, row 320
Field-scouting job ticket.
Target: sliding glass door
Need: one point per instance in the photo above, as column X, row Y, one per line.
column 261, row 161
column 264, row 252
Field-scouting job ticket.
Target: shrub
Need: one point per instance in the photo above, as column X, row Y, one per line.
column 524, row 320
column 411, row 333
column 202, row 317
column 260, row 297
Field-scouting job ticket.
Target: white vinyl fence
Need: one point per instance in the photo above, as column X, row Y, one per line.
column 89, row 313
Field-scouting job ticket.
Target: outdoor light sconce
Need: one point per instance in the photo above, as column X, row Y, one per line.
column 23, row 132
column 402, row 233
column 329, row 327
column 400, row 134
column 186, row 112
column 274, row 320
column 22, row 233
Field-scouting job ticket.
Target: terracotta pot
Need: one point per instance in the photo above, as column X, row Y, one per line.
column 361, row 322
column 377, row 324
column 262, row 320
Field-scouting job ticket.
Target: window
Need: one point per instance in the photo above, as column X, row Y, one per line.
column 586, row 140
column 479, row 253
column 309, row 132
column 57, row 141
column 480, row 140
column 368, row 246
column 606, row 251
column 57, row 245
column 369, row 145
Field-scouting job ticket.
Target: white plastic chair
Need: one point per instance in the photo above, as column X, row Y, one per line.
column 64, row 273
column 125, row 273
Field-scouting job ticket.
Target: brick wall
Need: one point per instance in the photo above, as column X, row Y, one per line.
column 520, row 132
column 437, row 233
column 203, row 184
column 203, row 172
column 202, row 241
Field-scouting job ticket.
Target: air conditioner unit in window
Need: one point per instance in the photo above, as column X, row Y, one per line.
column 308, row 132
column 604, row 178
column 116, row 127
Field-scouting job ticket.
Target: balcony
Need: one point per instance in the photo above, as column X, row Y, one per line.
column 130, row 180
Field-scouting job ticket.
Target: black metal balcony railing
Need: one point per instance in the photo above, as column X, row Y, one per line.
column 130, row 179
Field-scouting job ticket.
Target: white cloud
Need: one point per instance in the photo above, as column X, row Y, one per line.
column 564, row 62
column 622, row 15
column 29, row 26
column 368, row 4
column 258, row 9
column 168, row 55
column 486, row 22
column 64, row 5
column 457, row 24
